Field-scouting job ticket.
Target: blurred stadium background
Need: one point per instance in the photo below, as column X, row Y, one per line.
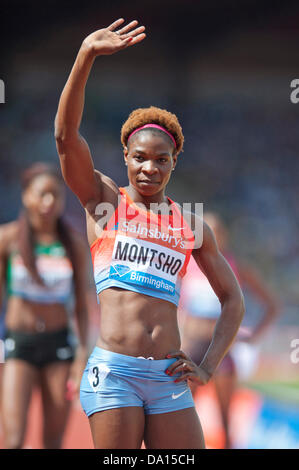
column 225, row 69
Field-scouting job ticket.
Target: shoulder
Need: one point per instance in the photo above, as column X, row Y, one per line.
column 198, row 226
column 203, row 234
column 9, row 229
column 8, row 234
column 106, row 180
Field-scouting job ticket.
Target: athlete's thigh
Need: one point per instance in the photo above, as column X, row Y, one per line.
column 17, row 382
column 53, row 379
column 175, row 430
column 118, row 428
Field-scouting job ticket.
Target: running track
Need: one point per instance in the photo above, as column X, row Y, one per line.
column 77, row 435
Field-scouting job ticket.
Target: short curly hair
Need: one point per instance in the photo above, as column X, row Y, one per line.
column 153, row 115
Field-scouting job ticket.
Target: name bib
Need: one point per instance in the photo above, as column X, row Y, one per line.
column 143, row 263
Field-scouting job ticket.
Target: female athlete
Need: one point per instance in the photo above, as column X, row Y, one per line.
column 42, row 261
column 134, row 387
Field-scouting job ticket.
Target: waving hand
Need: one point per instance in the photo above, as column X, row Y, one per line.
column 107, row 41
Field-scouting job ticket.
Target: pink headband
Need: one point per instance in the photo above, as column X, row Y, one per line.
column 156, row 126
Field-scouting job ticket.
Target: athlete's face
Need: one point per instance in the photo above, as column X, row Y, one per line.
column 150, row 159
column 44, row 197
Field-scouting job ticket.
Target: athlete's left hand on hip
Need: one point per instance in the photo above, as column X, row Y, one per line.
column 189, row 370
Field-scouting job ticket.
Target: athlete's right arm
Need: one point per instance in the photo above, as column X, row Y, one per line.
column 75, row 157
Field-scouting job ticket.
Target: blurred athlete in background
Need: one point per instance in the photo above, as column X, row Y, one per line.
column 201, row 309
column 42, row 265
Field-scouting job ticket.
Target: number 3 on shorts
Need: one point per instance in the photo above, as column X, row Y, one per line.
column 96, row 375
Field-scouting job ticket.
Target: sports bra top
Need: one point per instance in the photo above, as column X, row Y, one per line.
column 198, row 299
column 54, row 268
column 142, row 251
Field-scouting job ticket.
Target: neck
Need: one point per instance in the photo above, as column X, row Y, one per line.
column 156, row 198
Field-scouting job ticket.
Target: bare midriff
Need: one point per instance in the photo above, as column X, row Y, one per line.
column 137, row 325
column 32, row 317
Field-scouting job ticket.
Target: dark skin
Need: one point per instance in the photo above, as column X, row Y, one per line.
column 44, row 202
column 126, row 325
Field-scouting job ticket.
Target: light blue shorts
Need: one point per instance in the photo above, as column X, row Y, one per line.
column 112, row 380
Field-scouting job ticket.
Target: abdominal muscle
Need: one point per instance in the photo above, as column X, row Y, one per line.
column 137, row 325
column 31, row 317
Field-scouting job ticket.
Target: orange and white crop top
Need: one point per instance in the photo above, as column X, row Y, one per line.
column 143, row 251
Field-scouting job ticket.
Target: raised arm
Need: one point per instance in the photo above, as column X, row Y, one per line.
column 75, row 157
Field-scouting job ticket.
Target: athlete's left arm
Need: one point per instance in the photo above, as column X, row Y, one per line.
column 226, row 287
